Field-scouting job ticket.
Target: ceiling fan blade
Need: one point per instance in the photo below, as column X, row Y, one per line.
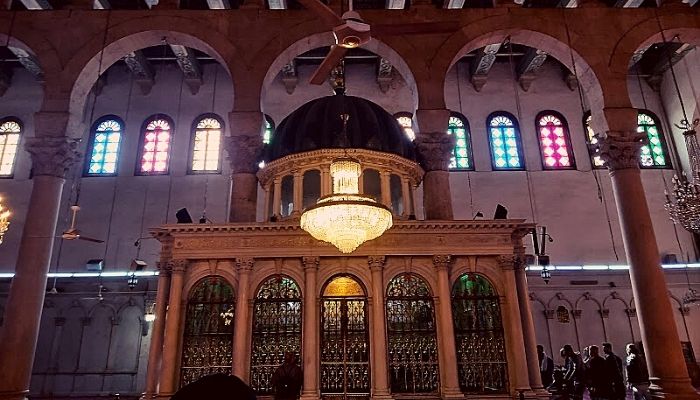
column 89, row 239
column 415, row 28
column 331, row 61
column 323, row 11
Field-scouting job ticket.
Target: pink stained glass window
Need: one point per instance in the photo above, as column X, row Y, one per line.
column 554, row 142
column 155, row 153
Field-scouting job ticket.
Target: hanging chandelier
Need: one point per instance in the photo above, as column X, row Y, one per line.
column 4, row 220
column 683, row 205
column 346, row 218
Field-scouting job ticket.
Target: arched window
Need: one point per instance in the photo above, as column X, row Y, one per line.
column 154, row 155
column 405, row 120
column 269, row 129
column 555, row 145
column 653, row 155
column 104, row 147
column 462, row 156
column 207, row 346
column 206, row 145
column 276, row 329
column 10, row 131
column 410, row 318
column 504, row 137
column 481, row 349
column 592, row 141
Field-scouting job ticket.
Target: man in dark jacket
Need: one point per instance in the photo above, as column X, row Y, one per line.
column 287, row 380
column 598, row 377
column 615, row 367
column 573, row 372
column 546, row 366
column 637, row 374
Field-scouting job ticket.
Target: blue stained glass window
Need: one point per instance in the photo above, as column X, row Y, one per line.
column 104, row 150
column 504, row 137
column 653, row 155
column 462, row 154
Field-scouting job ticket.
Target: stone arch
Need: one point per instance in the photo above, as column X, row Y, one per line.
column 562, row 332
column 326, row 39
column 264, row 269
column 129, row 35
column 126, row 340
column 102, row 304
column 617, row 323
column 23, row 36
column 357, row 271
column 199, row 273
column 410, row 273
column 96, row 337
column 591, row 329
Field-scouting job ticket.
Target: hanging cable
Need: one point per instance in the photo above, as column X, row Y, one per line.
column 177, row 124
column 469, row 178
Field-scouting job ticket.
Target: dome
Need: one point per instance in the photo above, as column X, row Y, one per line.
column 318, row 125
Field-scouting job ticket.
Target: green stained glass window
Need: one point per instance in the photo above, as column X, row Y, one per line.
column 504, row 137
column 104, row 147
column 269, row 130
column 462, row 154
column 653, row 154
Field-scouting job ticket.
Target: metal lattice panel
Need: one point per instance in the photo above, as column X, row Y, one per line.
column 208, row 341
column 481, row 352
column 413, row 354
column 276, row 329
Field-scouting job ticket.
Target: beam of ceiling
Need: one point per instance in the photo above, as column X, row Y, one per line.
column 189, row 65
column 531, row 62
column 290, row 79
column 141, row 70
column 277, row 4
column 219, row 4
column 395, row 4
column 628, row 3
column 5, row 80
column 29, row 62
column 37, row 4
column 385, row 74
column 101, row 5
column 481, row 65
column 453, row 4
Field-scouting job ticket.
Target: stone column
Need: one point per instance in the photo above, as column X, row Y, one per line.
column 620, row 150
column 298, row 192
column 447, row 351
column 244, row 149
column 326, row 186
column 169, row 373
column 310, row 334
column 277, row 197
column 380, row 373
column 51, row 159
column 406, row 196
column 157, row 332
column 385, row 182
column 434, row 147
column 241, row 355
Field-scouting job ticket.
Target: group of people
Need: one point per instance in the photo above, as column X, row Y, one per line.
column 602, row 375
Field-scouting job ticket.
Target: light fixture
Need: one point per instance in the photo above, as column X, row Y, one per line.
column 683, row 205
column 346, row 218
column 546, row 275
column 4, row 220
column 150, row 314
column 227, row 316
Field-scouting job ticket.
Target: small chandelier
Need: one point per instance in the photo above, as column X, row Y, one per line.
column 683, row 205
column 346, row 218
column 4, row 220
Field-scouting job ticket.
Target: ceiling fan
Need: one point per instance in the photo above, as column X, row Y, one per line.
column 351, row 31
column 101, row 289
column 73, row 233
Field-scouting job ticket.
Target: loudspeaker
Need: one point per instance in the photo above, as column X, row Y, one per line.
column 94, row 265
column 183, row 216
column 138, row 265
column 501, row 212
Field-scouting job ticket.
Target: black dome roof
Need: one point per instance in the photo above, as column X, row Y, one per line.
column 318, row 125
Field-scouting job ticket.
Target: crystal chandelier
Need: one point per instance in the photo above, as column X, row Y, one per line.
column 346, row 218
column 4, row 220
column 683, row 205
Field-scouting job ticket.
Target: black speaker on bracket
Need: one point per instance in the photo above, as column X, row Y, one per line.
column 501, row 212
column 183, row 216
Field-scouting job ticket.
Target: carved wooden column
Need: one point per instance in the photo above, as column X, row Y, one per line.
column 407, row 196
column 242, row 325
column 447, row 351
column 385, row 182
column 157, row 332
column 244, row 149
column 620, row 150
column 51, row 159
column 277, row 197
column 298, row 194
column 380, row 373
column 310, row 334
column 169, row 373
column 434, row 147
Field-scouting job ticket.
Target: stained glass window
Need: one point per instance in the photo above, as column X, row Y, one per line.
column 504, row 137
column 10, row 130
column 653, row 155
column 206, row 149
column 554, row 141
column 155, row 151
column 462, row 155
column 104, row 147
column 269, row 130
column 405, row 120
column 592, row 141
column 481, row 348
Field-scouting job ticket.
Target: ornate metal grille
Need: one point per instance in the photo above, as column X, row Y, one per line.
column 276, row 329
column 344, row 347
column 208, row 340
column 413, row 356
column 481, row 352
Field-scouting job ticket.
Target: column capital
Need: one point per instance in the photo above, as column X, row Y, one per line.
column 52, row 156
column 163, row 267
column 620, row 149
column 510, row 261
column 178, row 266
column 442, row 261
column 376, row 262
column 244, row 153
column 311, row 262
column 434, row 150
column 245, row 264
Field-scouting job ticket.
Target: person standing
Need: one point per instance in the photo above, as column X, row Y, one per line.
column 615, row 367
column 287, row 379
column 546, row 366
column 573, row 372
column 598, row 378
column 637, row 374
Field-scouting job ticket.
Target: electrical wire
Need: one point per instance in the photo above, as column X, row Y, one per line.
column 469, row 178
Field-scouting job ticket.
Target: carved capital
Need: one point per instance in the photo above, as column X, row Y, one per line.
column 244, row 153
column 442, row 261
column 311, row 262
column 576, row 314
column 549, row 314
column 509, row 261
column 631, row 312
column 434, row 150
column 178, row 266
column 245, row 263
column 620, row 150
column 685, row 310
column 605, row 313
column 376, row 262
column 52, row 156
column 164, row 267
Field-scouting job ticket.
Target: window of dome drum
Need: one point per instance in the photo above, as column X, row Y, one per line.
column 505, row 143
column 206, row 148
column 10, row 131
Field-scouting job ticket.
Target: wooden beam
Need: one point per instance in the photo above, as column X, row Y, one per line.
column 531, row 62
column 481, row 65
column 395, row 4
column 101, row 5
column 141, row 70
column 37, row 4
column 385, row 74
column 29, row 62
column 219, row 4
column 189, row 65
column 453, row 4
column 290, row 79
